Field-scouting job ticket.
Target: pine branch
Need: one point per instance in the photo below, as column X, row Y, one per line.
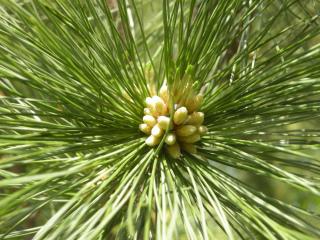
column 74, row 77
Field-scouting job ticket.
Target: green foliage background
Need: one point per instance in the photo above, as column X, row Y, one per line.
column 73, row 164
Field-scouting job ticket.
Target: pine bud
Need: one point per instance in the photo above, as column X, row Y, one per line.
column 174, row 150
column 163, row 92
column 196, row 118
column 159, row 106
column 196, row 103
column 164, row 122
column 149, row 102
column 145, row 128
column 190, row 139
column 151, row 121
column 171, row 139
column 202, row 130
column 186, row 130
column 189, row 101
column 189, row 147
column 180, row 115
column 152, row 89
column 152, row 141
column 147, row 111
column 157, row 131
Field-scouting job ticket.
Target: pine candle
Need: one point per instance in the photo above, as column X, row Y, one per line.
column 185, row 126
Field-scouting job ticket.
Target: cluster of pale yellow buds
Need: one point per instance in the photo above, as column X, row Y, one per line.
column 184, row 128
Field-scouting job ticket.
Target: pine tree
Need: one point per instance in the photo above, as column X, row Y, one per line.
column 135, row 119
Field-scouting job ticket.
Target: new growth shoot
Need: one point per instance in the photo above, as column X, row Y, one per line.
column 182, row 126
